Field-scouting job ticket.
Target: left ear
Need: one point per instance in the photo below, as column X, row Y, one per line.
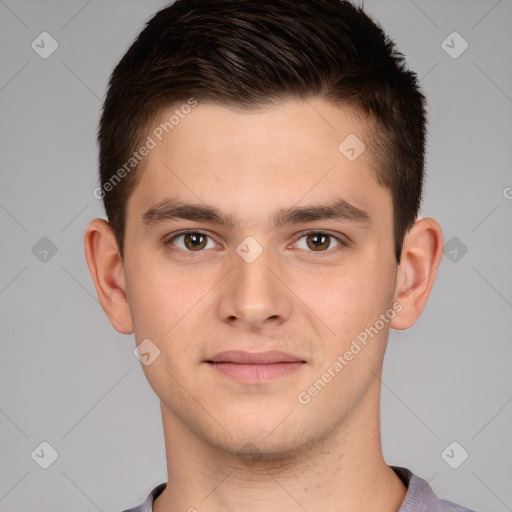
column 422, row 252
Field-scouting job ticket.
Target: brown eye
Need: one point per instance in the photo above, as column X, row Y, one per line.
column 194, row 241
column 189, row 241
column 318, row 241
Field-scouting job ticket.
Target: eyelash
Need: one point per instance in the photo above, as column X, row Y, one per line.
column 192, row 254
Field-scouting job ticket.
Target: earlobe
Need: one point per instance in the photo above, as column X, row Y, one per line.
column 106, row 268
column 421, row 256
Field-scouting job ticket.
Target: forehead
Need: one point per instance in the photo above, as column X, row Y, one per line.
column 244, row 162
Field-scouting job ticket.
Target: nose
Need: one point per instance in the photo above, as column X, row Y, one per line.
column 253, row 293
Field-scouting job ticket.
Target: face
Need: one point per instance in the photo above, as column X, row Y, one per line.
column 265, row 273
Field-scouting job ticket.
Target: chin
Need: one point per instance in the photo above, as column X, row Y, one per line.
column 254, row 444
column 262, row 452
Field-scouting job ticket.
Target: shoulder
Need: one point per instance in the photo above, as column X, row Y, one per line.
column 421, row 498
column 448, row 506
column 147, row 506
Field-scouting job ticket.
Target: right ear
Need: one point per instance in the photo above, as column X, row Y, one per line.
column 106, row 268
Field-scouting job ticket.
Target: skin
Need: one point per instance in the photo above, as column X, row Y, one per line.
column 228, row 443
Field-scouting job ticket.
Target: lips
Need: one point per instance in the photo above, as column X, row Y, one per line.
column 255, row 367
column 240, row 357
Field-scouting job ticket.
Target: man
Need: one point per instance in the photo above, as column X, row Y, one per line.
column 261, row 167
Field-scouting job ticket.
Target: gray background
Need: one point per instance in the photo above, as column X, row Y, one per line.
column 67, row 378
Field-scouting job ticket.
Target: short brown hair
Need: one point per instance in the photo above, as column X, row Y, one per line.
column 251, row 53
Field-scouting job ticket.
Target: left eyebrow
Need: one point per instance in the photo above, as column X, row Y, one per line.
column 340, row 209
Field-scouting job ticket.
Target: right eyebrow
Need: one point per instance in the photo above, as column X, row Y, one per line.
column 171, row 209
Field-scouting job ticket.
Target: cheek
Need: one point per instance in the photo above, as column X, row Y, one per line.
column 168, row 307
column 161, row 294
column 163, row 309
column 346, row 296
column 346, row 304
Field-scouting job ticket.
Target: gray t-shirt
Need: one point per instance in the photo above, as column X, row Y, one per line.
column 419, row 498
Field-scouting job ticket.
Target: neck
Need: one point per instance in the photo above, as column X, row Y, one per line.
column 343, row 471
